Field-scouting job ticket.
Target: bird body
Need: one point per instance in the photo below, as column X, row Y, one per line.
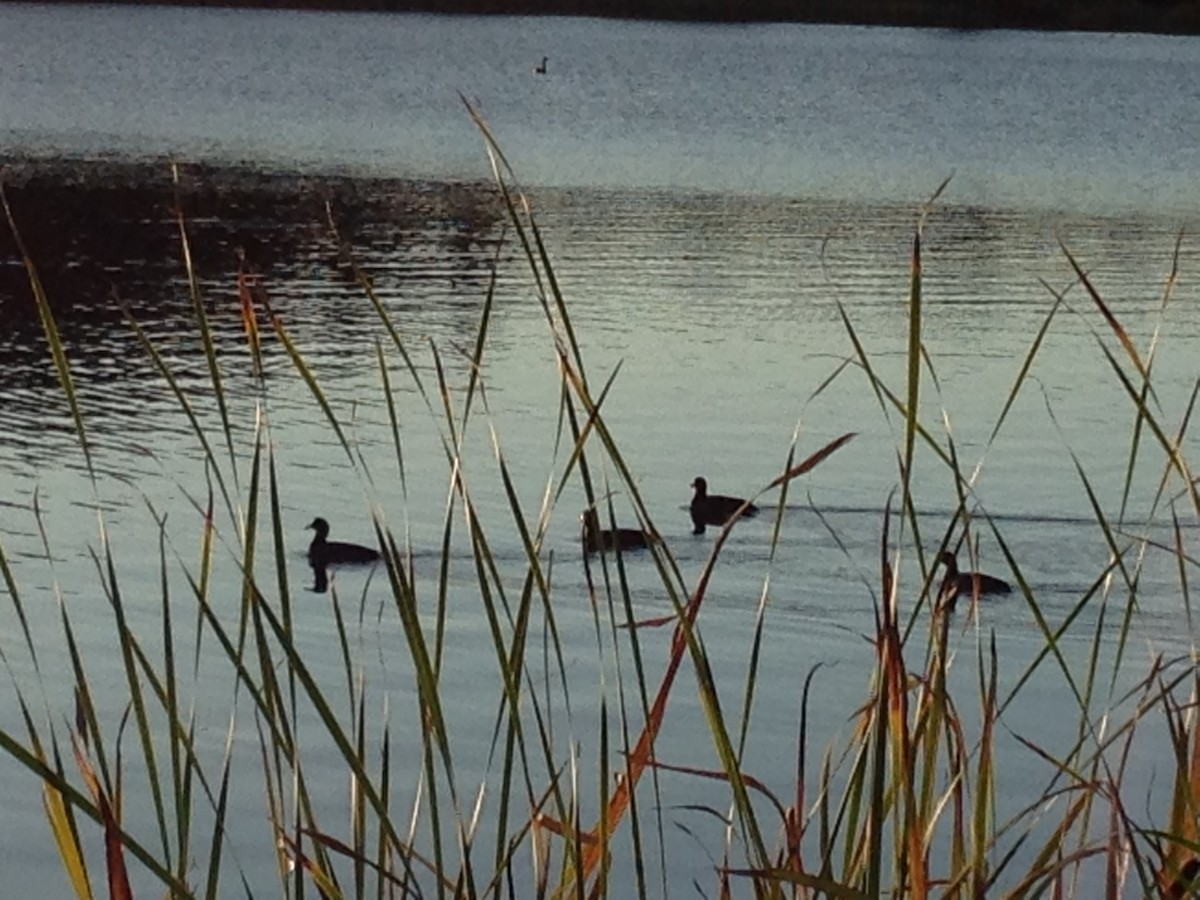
column 323, row 552
column 595, row 538
column 973, row 583
column 715, row 509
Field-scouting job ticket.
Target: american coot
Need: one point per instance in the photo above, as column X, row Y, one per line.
column 714, row 509
column 323, row 552
column 973, row 583
column 596, row 539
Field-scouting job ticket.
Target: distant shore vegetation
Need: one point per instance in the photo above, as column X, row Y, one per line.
column 1155, row 16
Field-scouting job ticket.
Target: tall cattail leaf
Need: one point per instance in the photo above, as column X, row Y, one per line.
column 760, row 620
column 368, row 289
column 281, row 568
column 1172, row 451
column 62, row 824
column 10, row 582
column 1183, row 826
column 206, row 335
column 913, row 398
column 309, row 379
column 682, row 639
column 822, row 886
column 393, row 417
column 812, row 460
column 985, row 778
column 114, row 856
column 250, row 322
column 207, row 545
column 220, row 812
column 73, row 798
column 129, row 654
column 329, row 842
column 50, row 329
column 323, row 706
column 1026, row 364
column 1117, row 329
column 88, row 724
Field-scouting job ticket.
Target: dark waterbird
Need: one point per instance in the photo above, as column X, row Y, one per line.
column 596, row 538
column 323, row 553
column 541, row 70
column 715, row 509
column 973, row 583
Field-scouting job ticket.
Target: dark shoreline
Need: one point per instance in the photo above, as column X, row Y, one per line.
column 1177, row 17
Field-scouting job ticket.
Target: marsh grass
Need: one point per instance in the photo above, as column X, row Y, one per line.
column 905, row 805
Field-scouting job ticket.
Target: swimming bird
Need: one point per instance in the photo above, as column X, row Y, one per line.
column 715, row 509
column 323, row 552
column 541, row 70
column 974, row 583
column 595, row 538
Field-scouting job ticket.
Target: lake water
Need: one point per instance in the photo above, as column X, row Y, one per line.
column 709, row 195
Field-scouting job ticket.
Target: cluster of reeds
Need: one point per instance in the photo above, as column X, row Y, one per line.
column 906, row 806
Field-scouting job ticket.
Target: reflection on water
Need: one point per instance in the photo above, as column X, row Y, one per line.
column 685, row 288
column 724, row 310
column 726, row 209
column 725, row 315
column 108, row 237
column 1031, row 120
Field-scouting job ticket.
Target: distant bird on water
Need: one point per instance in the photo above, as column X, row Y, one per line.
column 715, row 509
column 972, row 583
column 595, row 539
column 323, row 553
column 541, row 69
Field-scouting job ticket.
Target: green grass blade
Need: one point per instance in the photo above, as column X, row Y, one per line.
column 203, row 327
column 50, row 329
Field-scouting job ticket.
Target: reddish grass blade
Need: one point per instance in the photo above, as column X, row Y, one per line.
column 114, row 855
column 250, row 319
column 641, row 755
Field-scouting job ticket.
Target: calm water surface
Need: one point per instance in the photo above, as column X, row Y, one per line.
column 1052, row 120
column 713, row 199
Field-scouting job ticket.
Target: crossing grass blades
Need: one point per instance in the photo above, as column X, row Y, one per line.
column 905, row 806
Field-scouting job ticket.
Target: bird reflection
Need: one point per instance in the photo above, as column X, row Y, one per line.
column 323, row 553
column 320, row 579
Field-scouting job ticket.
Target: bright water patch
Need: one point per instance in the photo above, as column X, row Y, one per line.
column 724, row 315
column 714, row 200
column 1079, row 121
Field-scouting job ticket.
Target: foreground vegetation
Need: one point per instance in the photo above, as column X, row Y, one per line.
column 905, row 806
